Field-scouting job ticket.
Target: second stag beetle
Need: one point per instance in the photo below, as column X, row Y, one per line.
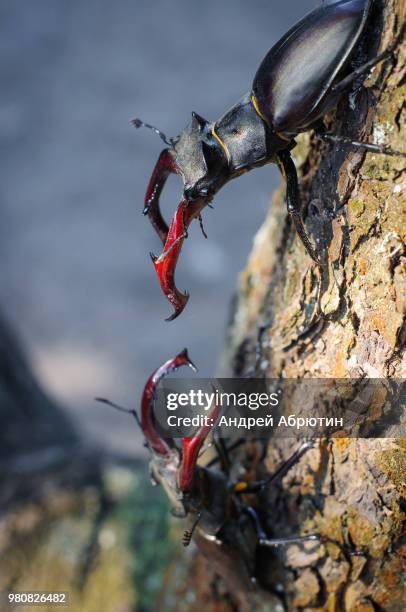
column 300, row 79
column 210, row 497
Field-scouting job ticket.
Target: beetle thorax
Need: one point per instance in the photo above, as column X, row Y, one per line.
column 244, row 135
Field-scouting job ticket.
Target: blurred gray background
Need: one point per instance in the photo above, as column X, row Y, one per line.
column 76, row 280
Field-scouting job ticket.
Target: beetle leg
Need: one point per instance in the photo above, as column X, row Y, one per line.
column 222, row 453
column 165, row 264
column 202, row 226
column 249, row 510
column 157, row 444
column 289, row 540
column 263, row 540
column 373, row 148
column 252, row 487
column 163, row 168
column 362, row 70
column 288, row 169
column 228, row 450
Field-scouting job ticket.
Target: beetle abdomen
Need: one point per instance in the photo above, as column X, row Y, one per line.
column 298, row 71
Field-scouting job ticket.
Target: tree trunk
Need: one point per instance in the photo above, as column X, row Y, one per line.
column 354, row 205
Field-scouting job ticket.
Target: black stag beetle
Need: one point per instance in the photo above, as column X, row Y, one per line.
column 300, row 79
column 226, row 529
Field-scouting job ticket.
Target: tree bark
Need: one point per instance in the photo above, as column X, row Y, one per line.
column 349, row 490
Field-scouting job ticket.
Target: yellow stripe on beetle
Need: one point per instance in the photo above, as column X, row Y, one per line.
column 222, row 144
column 255, row 105
column 262, row 116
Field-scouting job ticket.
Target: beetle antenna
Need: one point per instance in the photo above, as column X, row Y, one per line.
column 103, row 400
column 137, row 123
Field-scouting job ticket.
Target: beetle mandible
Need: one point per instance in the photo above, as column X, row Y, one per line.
column 300, row 79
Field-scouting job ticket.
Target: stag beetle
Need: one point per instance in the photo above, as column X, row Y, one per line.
column 300, row 79
column 226, row 529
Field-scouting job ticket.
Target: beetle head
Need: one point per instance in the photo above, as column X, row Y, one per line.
column 200, row 159
column 172, row 467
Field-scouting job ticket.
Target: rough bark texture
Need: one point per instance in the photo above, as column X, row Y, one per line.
column 349, row 490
